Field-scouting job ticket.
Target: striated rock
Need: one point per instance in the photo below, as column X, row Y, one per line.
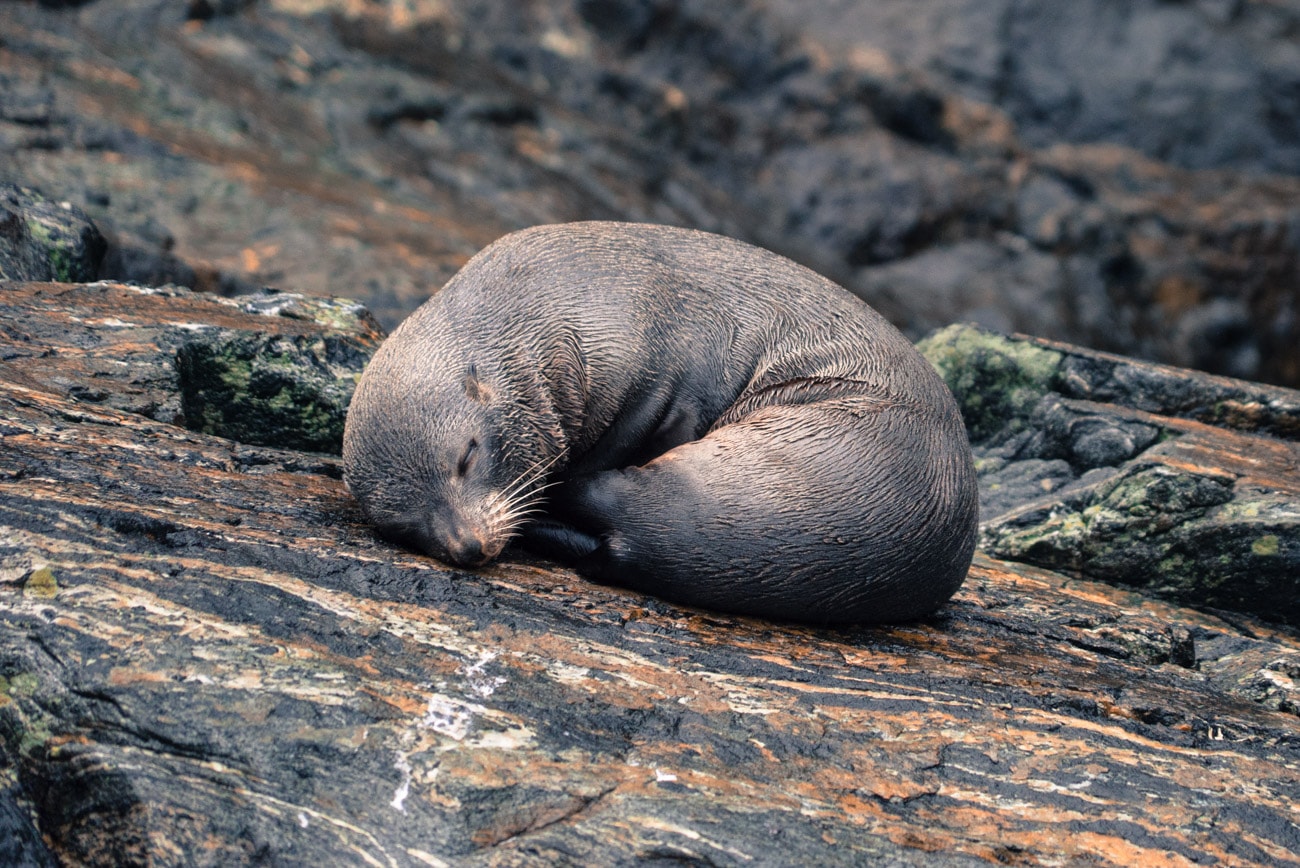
column 1130, row 472
column 206, row 656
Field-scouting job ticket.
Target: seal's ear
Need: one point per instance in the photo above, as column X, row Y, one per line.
column 476, row 389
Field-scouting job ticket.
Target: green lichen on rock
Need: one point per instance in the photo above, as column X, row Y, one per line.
column 290, row 392
column 1144, row 493
column 1266, row 546
column 18, row 685
column 1197, row 537
column 997, row 380
column 44, row 240
column 1083, row 464
column 41, row 583
column 24, row 723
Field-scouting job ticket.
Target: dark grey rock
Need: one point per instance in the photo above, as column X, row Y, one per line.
column 27, row 103
column 20, row 842
column 1201, row 84
column 1085, row 437
column 1005, row 485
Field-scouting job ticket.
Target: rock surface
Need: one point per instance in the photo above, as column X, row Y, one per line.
column 272, row 368
column 1131, row 472
column 1207, row 83
column 1121, row 175
column 206, row 657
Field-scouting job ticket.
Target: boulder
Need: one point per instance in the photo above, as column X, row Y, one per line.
column 1131, row 472
column 44, row 240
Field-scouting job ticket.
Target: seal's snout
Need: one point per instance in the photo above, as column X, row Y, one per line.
column 468, row 548
column 455, row 544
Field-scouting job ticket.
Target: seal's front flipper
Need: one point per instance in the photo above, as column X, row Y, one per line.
column 558, row 541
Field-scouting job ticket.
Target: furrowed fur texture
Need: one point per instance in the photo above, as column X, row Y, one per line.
column 675, row 412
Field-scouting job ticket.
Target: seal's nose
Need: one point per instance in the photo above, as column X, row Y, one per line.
column 465, row 549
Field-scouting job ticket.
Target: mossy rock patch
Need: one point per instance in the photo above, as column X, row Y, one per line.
column 45, row 240
column 997, row 380
column 290, row 392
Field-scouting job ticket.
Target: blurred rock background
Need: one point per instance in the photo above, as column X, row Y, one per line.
column 1124, row 176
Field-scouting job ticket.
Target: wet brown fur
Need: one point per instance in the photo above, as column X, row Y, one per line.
column 716, row 424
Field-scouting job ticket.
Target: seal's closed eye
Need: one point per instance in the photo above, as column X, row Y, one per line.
column 467, row 458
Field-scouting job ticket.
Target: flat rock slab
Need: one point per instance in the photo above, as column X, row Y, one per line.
column 206, row 657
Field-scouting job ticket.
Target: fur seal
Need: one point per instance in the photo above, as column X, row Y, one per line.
column 672, row 411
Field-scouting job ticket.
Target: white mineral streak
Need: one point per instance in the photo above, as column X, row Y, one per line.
column 479, row 684
column 403, row 765
column 449, row 716
column 426, row 858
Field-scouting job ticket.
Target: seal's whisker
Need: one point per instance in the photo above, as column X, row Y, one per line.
column 521, row 507
column 521, row 515
column 510, row 499
column 519, row 490
column 505, row 511
column 507, row 523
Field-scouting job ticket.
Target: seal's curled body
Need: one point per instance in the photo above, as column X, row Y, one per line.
column 676, row 412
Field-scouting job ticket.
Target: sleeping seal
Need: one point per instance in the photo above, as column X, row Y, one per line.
column 675, row 412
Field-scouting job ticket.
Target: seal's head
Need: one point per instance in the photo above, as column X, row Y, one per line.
column 424, row 454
